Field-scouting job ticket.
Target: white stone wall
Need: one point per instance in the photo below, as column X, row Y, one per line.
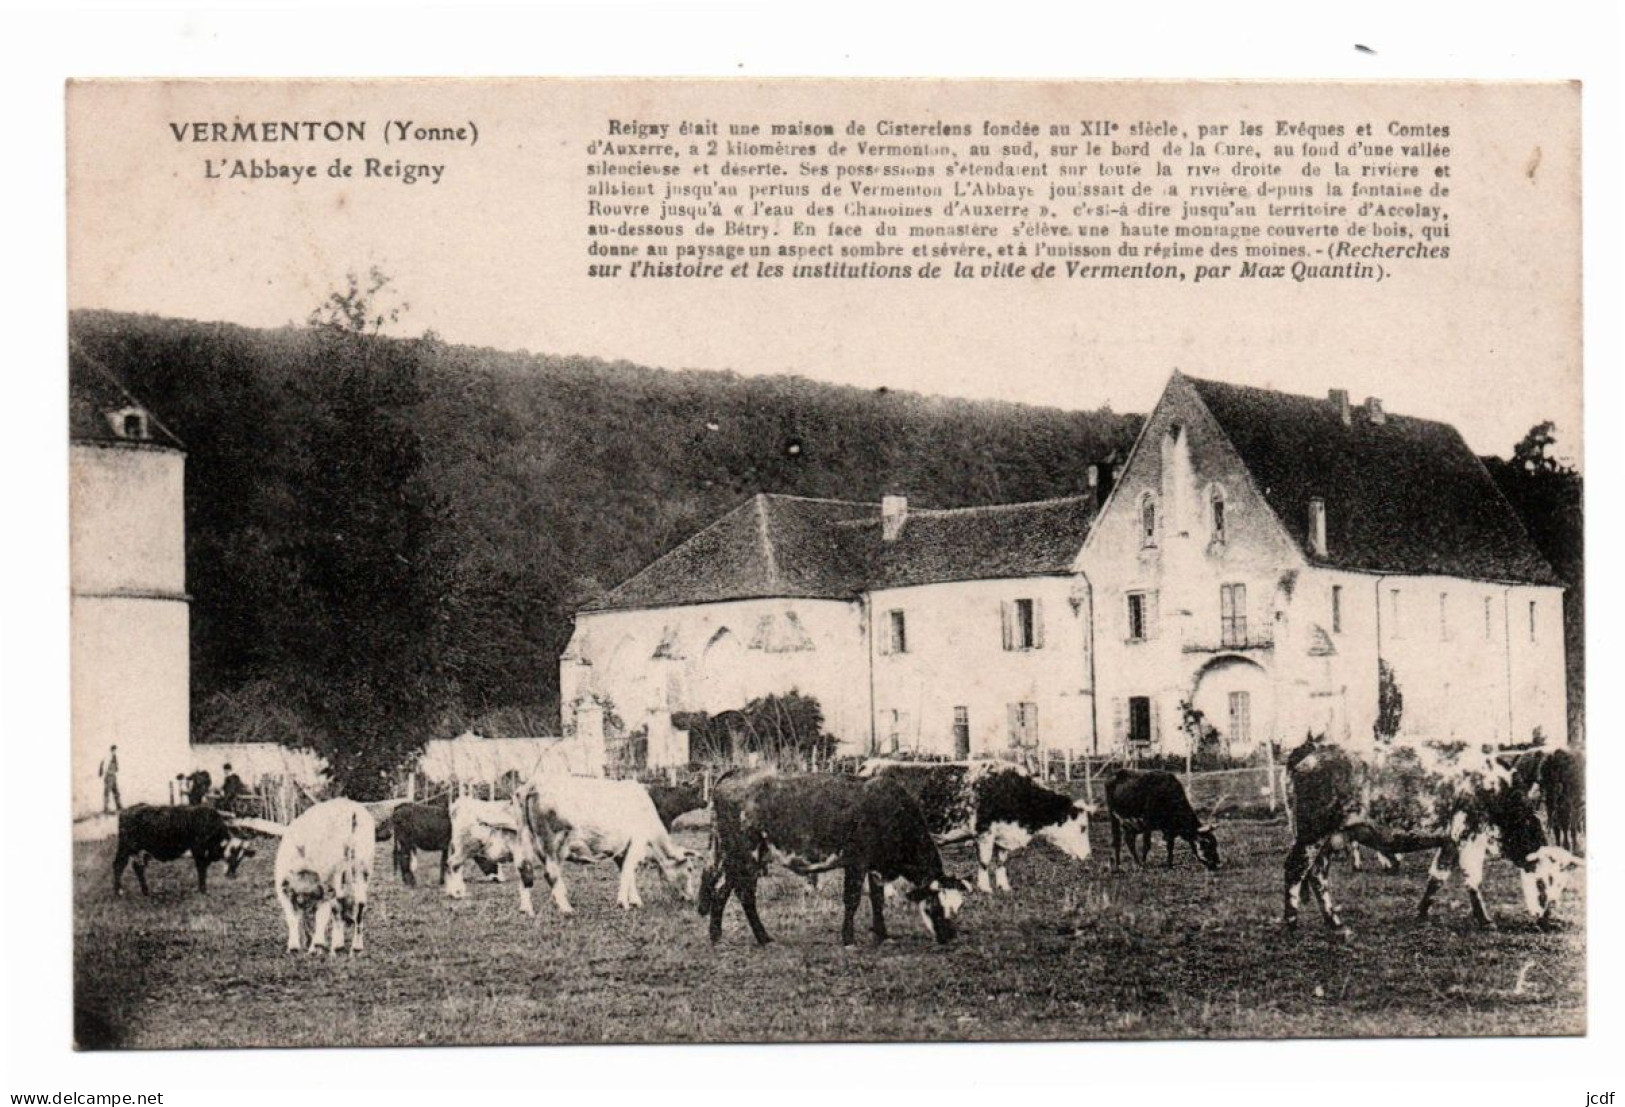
column 956, row 657
column 130, row 646
column 717, row 657
column 130, row 674
column 1305, row 670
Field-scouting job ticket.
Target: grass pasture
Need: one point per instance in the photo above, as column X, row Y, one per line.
column 1075, row 953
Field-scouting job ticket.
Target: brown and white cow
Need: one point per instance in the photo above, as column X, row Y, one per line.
column 1462, row 804
column 873, row 830
column 323, row 866
column 993, row 802
column 587, row 820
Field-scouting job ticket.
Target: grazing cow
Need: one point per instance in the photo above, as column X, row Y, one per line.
column 419, row 826
column 589, row 819
column 1416, row 798
column 147, row 833
column 995, row 803
column 323, row 867
column 485, row 832
column 672, row 801
column 1562, row 787
column 872, row 830
column 1143, row 803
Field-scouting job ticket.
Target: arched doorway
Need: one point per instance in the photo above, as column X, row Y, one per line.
column 721, row 682
column 1236, row 698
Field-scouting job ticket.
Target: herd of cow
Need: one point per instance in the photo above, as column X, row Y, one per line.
column 884, row 828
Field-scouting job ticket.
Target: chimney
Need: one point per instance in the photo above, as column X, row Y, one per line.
column 1373, row 411
column 893, row 514
column 1340, row 400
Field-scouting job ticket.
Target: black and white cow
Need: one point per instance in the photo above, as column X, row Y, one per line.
column 1461, row 804
column 996, row 804
column 147, row 833
column 1143, row 803
column 872, row 830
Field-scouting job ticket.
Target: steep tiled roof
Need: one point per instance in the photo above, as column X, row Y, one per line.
column 788, row 546
column 767, row 546
column 1402, row 496
column 985, row 543
column 94, row 392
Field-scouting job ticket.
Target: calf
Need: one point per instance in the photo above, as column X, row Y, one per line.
column 996, row 804
column 872, row 830
column 588, row 819
column 1562, row 787
column 1408, row 799
column 1143, row 803
column 485, row 832
column 147, row 833
column 323, row 867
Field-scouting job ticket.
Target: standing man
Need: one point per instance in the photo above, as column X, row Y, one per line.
column 231, row 791
column 108, row 771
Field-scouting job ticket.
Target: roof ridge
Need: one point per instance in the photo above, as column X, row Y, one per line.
column 817, row 499
column 1306, row 398
column 765, row 531
column 1012, row 506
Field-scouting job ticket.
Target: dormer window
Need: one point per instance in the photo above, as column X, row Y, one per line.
column 1317, row 527
column 131, row 423
column 1216, row 514
column 1148, row 520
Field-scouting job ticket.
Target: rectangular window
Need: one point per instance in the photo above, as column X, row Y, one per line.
column 1026, row 638
column 1233, row 614
column 1337, row 609
column 1024, row 724
column 1139, row 720
column 1241, row 719
column 1218, row 518
column 1531, row 620
column 1489, row 618
column 1395, row 629
column 1317, row 527
column 1137, row 617
column 961, row 732
column 897, row 636
column 1444, row 616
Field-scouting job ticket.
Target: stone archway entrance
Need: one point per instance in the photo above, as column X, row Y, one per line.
column 1236, row 698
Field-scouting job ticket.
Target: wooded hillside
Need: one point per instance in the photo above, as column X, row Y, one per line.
column 445, row 509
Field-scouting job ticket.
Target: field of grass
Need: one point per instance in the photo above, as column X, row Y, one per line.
column 1076, row 952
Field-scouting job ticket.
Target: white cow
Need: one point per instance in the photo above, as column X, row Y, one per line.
column 588, row 819
column 487, row 829
column 322, row 868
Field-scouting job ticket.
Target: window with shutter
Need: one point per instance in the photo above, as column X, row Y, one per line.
column 1233, row 614
column 1007, row 624
column 1038, row 624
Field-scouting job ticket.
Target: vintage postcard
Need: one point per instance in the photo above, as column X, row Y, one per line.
column 803, row 560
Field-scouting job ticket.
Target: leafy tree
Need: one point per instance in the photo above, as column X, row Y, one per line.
column 370, row 546
column 1390, row 703
column 1549, row 496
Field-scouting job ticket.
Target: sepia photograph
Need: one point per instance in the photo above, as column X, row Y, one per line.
column 562, row 562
